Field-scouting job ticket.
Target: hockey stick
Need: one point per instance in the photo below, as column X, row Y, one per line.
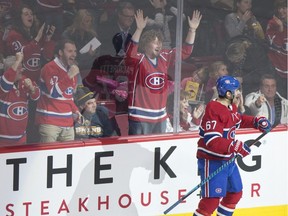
column 212, row 175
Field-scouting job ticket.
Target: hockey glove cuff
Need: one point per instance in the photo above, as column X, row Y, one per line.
column 262, row 124
column 241, row 148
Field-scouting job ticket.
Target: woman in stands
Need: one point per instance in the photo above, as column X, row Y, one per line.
column 34, row 42
column 37, row 47
column 81, row 32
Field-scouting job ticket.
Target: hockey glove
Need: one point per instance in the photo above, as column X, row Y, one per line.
column 262, row 124
column 241, row 148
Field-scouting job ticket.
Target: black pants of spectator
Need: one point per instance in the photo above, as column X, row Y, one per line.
column 31, row 129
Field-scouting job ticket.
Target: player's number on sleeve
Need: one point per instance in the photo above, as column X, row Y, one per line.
column 210, row 125
column 53, row 80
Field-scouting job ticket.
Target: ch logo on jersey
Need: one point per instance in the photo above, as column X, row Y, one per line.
column 155, row 81
column 69, row 91
column 231, row 133
column 33, row 63
column 17, row 111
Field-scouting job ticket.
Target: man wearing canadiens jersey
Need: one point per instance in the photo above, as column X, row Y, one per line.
column 56, row 107
column 148, row 84
column 15, row 92
column 217, row 145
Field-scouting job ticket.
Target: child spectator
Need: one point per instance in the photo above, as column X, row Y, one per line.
column 199, row 78
column 216, row 70
column 188, row 120
column 15, row 91
column 95, row 122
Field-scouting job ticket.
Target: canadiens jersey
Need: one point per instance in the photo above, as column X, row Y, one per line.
column 14, row 108
column 56, row 105
column 33, row 52
column 278, row 49
column 218, row 129
column 148, row 83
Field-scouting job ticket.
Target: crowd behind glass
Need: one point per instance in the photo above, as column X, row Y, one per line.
column 83, row 69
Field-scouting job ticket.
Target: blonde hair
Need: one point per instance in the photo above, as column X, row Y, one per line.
column 78, row 22
column 236, row 51
column 184, row 94
column 214, row 68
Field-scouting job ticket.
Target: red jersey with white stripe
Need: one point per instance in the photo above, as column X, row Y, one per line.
column 32, row 50
column 278, row 49
column 218, row 130
column 14, row 108
column 148, row 83
column 56, row 104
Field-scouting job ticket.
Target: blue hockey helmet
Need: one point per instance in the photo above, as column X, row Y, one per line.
column 227, row 83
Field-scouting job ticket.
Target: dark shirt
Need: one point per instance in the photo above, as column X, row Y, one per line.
column 96, row 125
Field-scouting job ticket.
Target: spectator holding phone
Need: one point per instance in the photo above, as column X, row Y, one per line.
column 51, row 13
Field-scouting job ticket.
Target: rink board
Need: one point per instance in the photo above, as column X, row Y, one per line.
column 266, row 211
column 134, row 177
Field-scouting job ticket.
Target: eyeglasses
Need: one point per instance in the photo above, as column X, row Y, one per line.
column 127, row 16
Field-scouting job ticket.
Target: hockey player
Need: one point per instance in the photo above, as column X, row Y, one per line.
column 217, row 145
column 148, row 84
